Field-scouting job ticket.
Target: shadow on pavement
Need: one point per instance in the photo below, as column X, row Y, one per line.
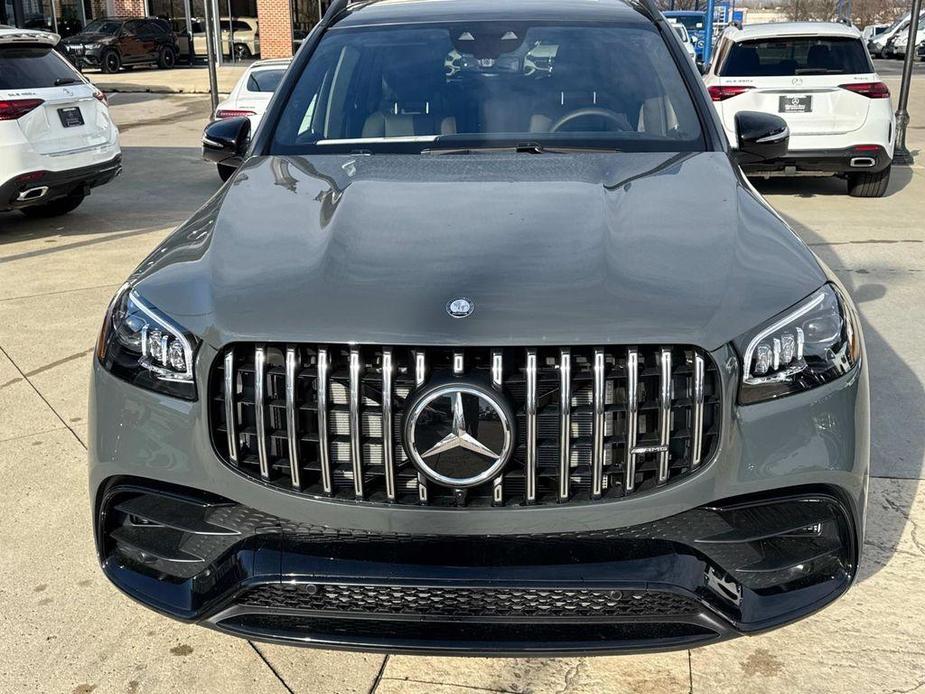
column 896, row 395
column 146, row 197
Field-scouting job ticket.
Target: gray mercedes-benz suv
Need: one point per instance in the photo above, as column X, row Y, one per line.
column 487, row 346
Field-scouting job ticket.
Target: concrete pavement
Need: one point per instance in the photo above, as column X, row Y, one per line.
column 63, row 628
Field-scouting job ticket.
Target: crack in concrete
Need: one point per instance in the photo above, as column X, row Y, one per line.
column 451, row 684
column 914, row 532
column 44, row 399
column 270, row 666
column 379, row 675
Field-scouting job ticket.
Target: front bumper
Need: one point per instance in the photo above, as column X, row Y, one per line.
column 809, row 449
column 831, row 161
column 710, row 573
column 84, row 57
column 57, row 184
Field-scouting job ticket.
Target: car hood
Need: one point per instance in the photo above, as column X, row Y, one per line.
column 551, row 249
column 88, row 38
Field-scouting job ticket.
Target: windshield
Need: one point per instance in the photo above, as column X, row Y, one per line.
column 787, row 57
column 265, row 80
column 103, row 26
column 690, row 22
column 403, row 89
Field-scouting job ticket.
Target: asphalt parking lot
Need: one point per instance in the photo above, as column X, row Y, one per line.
column 63, row 628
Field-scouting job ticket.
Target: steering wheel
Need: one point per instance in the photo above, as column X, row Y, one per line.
column 589, row 112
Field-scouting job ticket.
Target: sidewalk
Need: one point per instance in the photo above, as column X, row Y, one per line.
column 180, row 80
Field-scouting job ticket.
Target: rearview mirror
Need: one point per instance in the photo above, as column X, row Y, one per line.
column 760, row 137
column 225, row 141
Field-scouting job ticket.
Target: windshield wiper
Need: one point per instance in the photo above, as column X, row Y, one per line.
column 61, row 81
column 524, row 148
column 817, row 71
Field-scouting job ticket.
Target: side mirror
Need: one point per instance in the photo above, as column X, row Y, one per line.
column 761, row 136
column 225, row 141
column 703, row 67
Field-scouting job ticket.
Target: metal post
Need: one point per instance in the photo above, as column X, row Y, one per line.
column 901, row 154
column 210, row 54
column 54, row 18
column 708, row 33
column 231, row 55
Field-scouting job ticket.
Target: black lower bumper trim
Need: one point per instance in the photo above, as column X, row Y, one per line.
column 738, row 566
column 837, row 161
column 497, row 639
column 59, row 184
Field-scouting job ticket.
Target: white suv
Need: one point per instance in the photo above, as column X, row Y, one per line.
column 818, row 77
column 57, row 139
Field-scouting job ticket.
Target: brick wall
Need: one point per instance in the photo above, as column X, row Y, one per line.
column 128, row 8
column 275, row 17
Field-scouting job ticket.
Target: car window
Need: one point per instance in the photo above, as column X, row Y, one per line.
column 264, row 80
column 486, row 83
column 805, row 55
column 132, row 27
column 34, row 68
column 238, row 26
column 155, row 28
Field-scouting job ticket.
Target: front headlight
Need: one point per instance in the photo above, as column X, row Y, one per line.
column 145, row 348
column 812, row 344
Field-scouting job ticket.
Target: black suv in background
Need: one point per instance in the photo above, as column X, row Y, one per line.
column 110, row 43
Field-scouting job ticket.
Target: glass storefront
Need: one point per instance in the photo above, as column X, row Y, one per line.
column 63, row 17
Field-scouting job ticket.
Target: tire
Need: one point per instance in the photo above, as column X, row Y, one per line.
column 869, row 185
column 110, row 62
column 225, row 172
column 55, row 208
column 241, row 52
column 167, row 58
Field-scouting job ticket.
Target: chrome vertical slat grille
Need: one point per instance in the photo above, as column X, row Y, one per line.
column 388, row 445
column 321, row 389
column 597, row 425
column 292, row 421
column 664, row 414
column 632, row 418
column 590, row 423
column 230, row 389
column 260, row 402
column 565, row 422
column 697, row 411
column 356, row 450
column 497, row 380
column 530, row 406
column 420, row 378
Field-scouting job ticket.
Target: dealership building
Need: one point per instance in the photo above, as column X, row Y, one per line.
column 283, row 23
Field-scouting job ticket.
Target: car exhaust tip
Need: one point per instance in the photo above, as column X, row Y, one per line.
column 30, row 194
column 862, row 162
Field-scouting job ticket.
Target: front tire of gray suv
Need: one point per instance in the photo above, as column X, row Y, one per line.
column 869, row 185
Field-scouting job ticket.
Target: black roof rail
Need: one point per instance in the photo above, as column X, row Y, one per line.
column 648, row 8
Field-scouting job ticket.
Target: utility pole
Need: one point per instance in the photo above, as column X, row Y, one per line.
column 210, row 54
column 708, row 32
column 902, row 155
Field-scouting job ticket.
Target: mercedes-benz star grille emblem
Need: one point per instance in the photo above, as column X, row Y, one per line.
column 459, row 434
column 459, row 308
